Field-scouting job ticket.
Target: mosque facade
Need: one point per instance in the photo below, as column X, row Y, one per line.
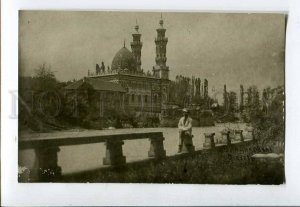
column 125, row 85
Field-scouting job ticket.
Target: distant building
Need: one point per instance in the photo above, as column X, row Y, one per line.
column 102, row 95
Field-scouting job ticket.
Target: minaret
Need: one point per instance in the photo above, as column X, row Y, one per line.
column 136, row 47
column 160, row 70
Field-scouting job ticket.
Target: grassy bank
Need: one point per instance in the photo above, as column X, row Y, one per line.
column 229, row 165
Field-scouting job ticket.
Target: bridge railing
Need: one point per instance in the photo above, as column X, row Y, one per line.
column 46, row 148
column 46, row 165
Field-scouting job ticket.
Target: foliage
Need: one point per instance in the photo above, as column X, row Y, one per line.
column 40, row 101
column 200, row 118
column 45, row 78
column 185, row 91
column 228, row 117
column 227, row 113
column 232, row 102
column 269, row 123
column 149, row 121
column 206, row 118
column 179, row 92
column 169, row 122
column 209, row 167
column 118, row 118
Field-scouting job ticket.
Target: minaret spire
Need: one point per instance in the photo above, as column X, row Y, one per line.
column 136, row 26
column 161, row 70
column 161, row 21
column 136, row 46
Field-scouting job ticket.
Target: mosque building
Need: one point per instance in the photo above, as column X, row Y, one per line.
column 125, row 85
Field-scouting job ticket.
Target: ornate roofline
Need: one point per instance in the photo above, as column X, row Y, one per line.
column 113, row 73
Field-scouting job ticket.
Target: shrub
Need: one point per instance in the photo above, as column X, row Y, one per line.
column 269, row 125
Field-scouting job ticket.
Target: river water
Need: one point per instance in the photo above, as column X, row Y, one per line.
column 89, row 156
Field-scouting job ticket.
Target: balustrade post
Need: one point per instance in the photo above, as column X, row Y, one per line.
column 251, row 131
column 114, row 153
column 225, row 136
column 46, row 168
column 209, row 141
column 157, row 148
column 239, row 135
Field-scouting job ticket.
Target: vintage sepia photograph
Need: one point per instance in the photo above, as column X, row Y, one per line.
column 151, row 97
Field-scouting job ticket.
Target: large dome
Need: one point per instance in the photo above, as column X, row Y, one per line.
column 124, row 59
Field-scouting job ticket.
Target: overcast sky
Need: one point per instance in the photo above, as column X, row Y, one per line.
column 230, row 49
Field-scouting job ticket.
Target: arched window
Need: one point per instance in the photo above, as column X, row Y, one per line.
column 132, row 97
column 146, row 98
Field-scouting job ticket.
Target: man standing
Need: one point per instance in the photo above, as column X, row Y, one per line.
column 185, row 128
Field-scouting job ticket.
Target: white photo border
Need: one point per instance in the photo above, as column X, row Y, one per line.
column 19, row 194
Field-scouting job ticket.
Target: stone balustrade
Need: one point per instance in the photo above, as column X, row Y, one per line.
column 226, row 136
column 251, row 131
column 239, row 135
column 46, row 165
column 209, row 141
column 157, row 148
column 114, row 153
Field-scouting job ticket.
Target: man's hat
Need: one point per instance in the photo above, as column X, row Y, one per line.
column 185, row 110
